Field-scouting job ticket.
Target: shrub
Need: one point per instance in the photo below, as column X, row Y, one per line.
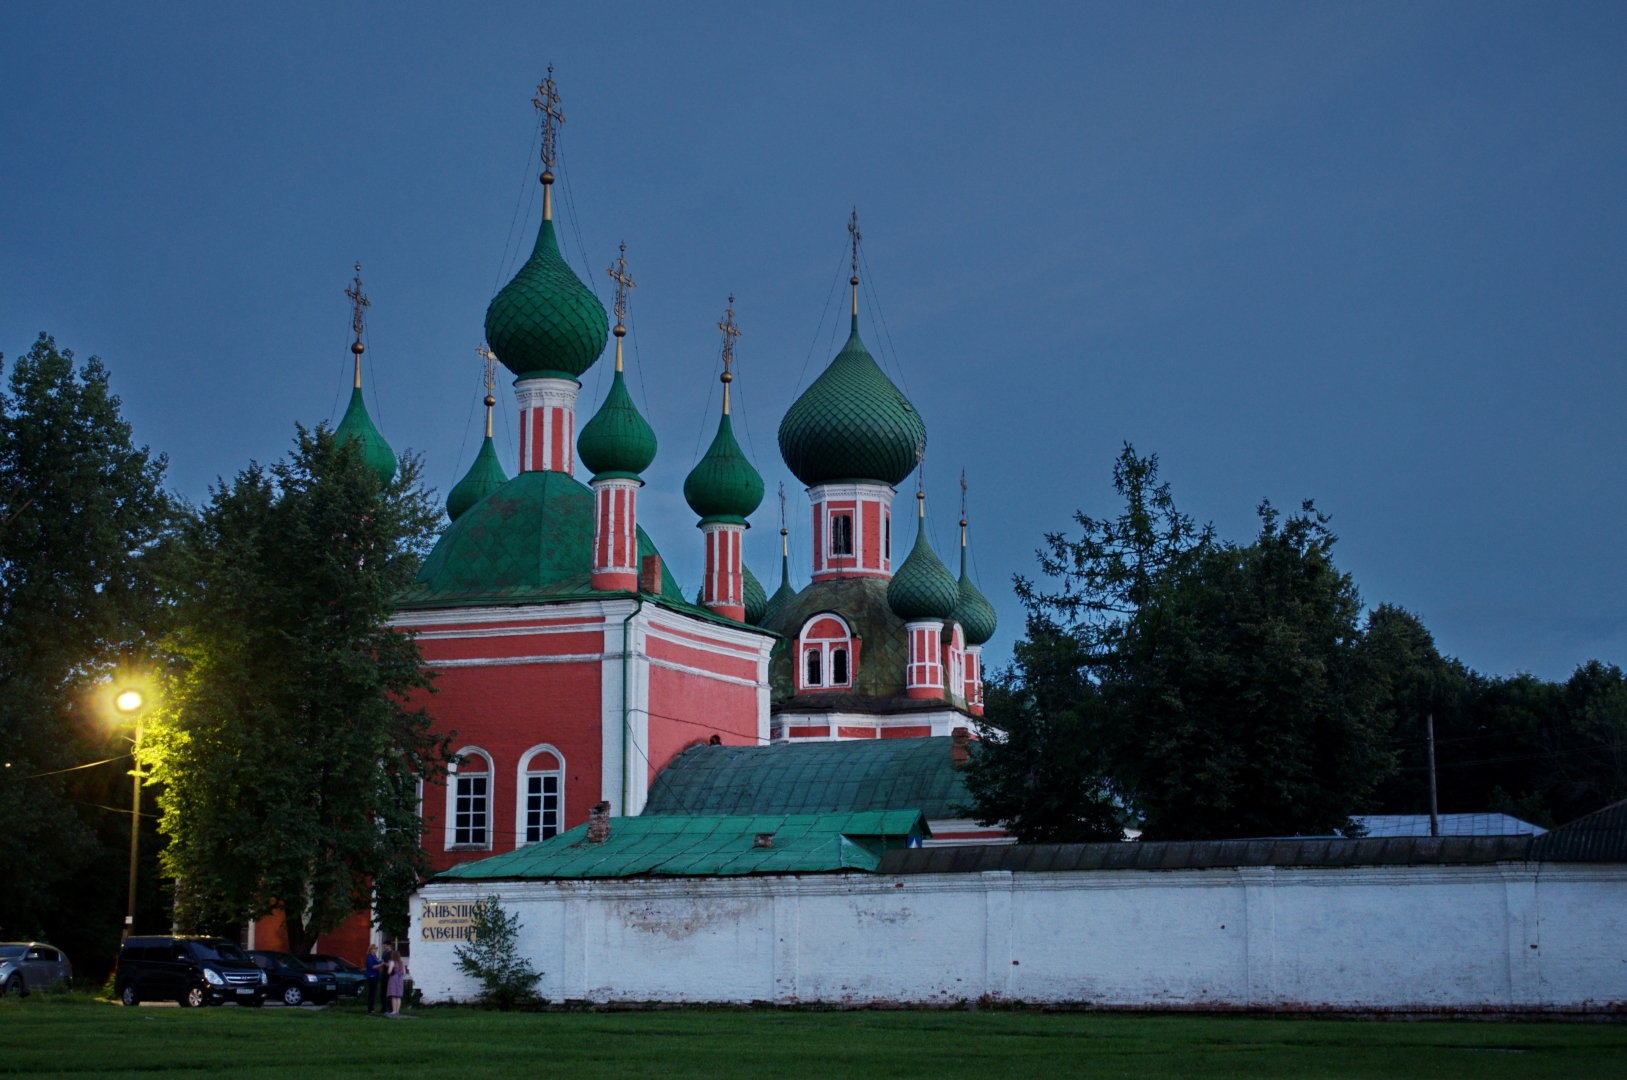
column 492, row 956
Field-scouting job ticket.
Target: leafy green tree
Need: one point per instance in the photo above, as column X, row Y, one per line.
column 289, row 747
column 507, row 980
column 82, row 514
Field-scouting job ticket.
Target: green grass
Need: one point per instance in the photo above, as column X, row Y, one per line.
column 76, row 1035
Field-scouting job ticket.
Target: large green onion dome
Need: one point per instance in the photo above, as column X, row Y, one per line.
column 357, row 425
column 545, row 323
column 974, row 613
column 617, row 441
column 723, row 486
column 923, row 588
column 756, row 599
column 484, row 477
column 852, row 424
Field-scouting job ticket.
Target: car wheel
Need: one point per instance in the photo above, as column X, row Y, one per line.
column 195, row 998
column 15, row 987
column 130, row 997
column 293, row 996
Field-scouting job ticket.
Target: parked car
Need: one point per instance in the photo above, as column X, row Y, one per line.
column 290, row 981
column 192, row 971
column 26, row 966
column 352, row 979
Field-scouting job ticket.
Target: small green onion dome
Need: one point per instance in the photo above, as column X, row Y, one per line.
column 974, row 613
column 923, row 588
column 852, row 424
column 376, row 453
column 545, row 323
column 617, row 441
column 484, row 477
column 723, row 486
column 756, row 599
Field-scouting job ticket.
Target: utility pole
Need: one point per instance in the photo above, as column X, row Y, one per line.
column 1434, row 809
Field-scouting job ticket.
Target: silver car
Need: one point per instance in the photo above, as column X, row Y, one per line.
column 26, row 966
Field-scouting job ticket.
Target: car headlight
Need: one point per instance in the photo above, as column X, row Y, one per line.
column 310, row 978
column 212, row 977
column 262, row 978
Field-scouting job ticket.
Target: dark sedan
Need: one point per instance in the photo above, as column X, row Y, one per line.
column 352, row 979
column 291, row 981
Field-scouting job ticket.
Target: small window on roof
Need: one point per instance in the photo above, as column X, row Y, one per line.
column 815, row 673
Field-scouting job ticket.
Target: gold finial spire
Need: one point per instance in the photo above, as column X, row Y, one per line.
column 853, row 231
column 618, row 274
column 547, row 103
column 730, row 332
column 963, row 508
column 491, row 383
column 785, row 545
column 920, row 480
column 358, row 301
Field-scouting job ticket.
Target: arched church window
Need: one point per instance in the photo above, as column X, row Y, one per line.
column 827, row 653
column 841, row 534
column 541, row 803
column 468, row 794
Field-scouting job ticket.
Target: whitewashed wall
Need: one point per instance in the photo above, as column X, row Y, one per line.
column 1515, row 935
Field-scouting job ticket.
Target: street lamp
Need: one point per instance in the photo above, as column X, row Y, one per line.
column 130, row 703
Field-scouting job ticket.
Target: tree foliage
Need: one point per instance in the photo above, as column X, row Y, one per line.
column 82, row 515
column 289, row 748
column 507, row 980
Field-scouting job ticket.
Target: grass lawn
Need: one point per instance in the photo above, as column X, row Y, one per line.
column 76, row 1035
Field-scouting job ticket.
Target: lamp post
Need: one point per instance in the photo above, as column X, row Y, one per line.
column 130, row 704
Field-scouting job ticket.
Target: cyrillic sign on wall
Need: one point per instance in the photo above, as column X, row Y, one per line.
column 448, row 921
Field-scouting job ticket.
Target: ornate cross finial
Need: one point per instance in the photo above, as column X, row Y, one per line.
column 490, row 358
column 730, row 332
column 963, row 505
column 359, row 301
column 785, row 549
column 853, row 231
column 547, row 103
column 618, row 274
column 920, row 477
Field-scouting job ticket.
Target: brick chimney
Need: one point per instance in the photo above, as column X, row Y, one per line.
column 649, row 575
column 599, row 823
column 763, row 839
column 960, row 749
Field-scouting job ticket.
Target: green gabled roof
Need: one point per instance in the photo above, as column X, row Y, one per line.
column 862, row 601
column 857, row 776
column 922, row 588
column 852, row 423
column 723, row 486
column 709, row 846
column 618, row 440
column 358, row 425
column 485, row 476
column 545, row 323
column 973, row 611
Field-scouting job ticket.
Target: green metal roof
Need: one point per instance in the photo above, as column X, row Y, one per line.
column 358, row 425
column 617, row 441
column 862, row 601
column 723, row 486
column 852, row 423
column 857, row 776
column 973, row 611
column 922, row 588
column 710, row 846
column 545, row 322
column 485, row 476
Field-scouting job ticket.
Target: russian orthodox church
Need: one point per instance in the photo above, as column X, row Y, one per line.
column 570, row 664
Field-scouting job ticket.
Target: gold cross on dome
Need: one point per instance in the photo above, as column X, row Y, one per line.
column 730, row 332
column 490, row 358
column 547, row 103
column 853, row 231
column 618, row 274
column 359, row 300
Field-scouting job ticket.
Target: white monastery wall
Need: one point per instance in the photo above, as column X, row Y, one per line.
column 1416, row 938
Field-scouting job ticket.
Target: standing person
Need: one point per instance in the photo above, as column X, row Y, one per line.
column 372, row 967
column 396, row 988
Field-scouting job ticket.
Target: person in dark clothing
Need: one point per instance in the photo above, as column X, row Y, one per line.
column 372, row 967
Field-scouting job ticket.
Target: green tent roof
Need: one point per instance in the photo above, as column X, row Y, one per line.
column 358, row 425
column 617, row 441
column 710, row 846
column 857, row 776
column 852, row 423
column 862, row 601
column 485, row 476
column 545, row 323
column 783, row 594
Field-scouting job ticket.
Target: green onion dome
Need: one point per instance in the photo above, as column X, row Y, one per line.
column 852, row 424
column 617, row 441
column 923, row 588
column 756, row 599
column 974, row 613
column 484, row 477
column 357, row 425
column 545, row 323
column 723, row 486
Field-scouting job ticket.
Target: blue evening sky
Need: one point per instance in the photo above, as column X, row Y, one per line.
column 1370, row 254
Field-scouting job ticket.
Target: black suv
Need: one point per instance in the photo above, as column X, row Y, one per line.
column 291, row 981
column 192, row 971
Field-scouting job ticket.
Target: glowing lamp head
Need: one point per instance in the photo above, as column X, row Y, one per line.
column 128, row 701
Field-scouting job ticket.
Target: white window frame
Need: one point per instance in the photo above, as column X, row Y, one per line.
column 452, row 800
column 825, row 647
column 523, row 776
